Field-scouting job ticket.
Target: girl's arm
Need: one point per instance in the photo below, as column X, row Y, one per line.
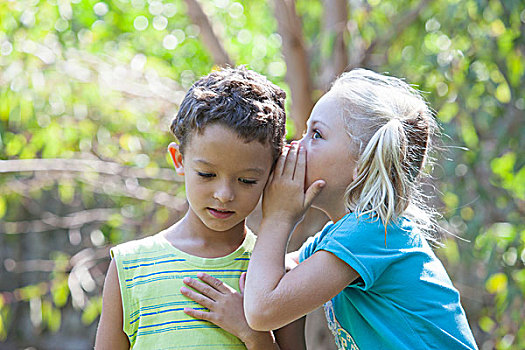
column 272, row 297
column 110, row 335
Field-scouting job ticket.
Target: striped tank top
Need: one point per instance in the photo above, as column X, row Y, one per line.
column 150, row 272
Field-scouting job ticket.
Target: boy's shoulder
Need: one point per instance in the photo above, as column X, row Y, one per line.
column 149, row 244
column 156, row 244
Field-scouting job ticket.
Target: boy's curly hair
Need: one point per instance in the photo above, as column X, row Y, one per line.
column 238, row 98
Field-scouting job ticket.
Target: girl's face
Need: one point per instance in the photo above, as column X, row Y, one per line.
column 329, row 154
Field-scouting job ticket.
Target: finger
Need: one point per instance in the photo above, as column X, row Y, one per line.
column 242, row 282
column 197, row 297
column 199, row 314
column 217, row 284
column 291, row 159
column 312, row 192
column 280, row 162
column 300, row 167
column 203, row 288
column 270, row 178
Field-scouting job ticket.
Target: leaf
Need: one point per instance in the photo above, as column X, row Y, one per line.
column 503, row 93
column 92, row 310
column 497, row 283
column 486, row 324
column 3, row 207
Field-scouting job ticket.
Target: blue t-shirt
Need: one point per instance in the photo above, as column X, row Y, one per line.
column 403, row 299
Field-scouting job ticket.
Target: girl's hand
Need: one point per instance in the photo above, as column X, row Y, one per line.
column 226, row 308
column 285, row 199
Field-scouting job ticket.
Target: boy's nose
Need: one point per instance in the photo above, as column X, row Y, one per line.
column 224, row 193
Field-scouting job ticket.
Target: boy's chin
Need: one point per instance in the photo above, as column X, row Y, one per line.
column 218, row 226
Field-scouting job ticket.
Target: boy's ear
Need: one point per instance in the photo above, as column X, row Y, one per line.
column 176, row 157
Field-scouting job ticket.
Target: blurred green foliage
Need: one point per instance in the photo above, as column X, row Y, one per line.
column 98, row 82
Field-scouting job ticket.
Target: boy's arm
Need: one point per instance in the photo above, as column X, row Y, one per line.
column 110, row 335
column 291, row 336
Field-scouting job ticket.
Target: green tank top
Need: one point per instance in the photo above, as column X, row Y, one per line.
column 150, row 272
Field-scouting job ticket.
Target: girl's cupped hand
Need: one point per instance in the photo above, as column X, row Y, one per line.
column 285, row 199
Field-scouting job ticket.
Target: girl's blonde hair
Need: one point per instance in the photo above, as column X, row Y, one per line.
column 392, row 128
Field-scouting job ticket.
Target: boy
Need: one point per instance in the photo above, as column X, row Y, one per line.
column 230, row 129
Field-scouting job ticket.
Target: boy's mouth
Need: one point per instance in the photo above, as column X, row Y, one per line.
column 220, row 213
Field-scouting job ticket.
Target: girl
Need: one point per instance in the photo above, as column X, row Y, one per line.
column 361, row 161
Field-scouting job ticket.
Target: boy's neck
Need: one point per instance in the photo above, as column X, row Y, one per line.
column 193, row 237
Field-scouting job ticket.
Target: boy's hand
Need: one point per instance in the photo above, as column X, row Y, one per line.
column 285, row 199
column 225, row 305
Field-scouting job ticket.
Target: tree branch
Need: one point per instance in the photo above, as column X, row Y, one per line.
column 335, row 29
column 109, row 185
column 209, row 38
column 398, row 26
column 35, row 265
column 297, row 65
column 83, row 166
column 51, row 221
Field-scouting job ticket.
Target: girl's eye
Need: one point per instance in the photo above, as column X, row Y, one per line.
column 316, row 135
column 247, row 182
column 206, row 175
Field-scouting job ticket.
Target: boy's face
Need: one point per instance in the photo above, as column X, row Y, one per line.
column 224, row 176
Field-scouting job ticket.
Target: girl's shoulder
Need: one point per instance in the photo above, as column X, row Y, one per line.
column 370, row 230
column 353, row 221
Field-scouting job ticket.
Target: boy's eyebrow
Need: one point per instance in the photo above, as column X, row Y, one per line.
column 258, row 171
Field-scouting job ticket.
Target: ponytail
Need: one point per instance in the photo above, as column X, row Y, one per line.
column 381, row 185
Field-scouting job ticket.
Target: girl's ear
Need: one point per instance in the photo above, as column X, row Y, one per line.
column 176, row 157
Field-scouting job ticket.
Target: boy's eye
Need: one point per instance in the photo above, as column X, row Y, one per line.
column 316, row 135
column 247, row 181
column 207, row 175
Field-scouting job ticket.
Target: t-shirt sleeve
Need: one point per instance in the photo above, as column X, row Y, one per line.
column 361, row 244
column 309, row 247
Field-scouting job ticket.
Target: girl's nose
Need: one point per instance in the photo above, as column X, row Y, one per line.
column 302, row 141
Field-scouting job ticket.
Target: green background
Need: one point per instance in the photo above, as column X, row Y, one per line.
column 87, row 90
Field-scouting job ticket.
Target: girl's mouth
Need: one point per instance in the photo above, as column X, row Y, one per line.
column 220, row 214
